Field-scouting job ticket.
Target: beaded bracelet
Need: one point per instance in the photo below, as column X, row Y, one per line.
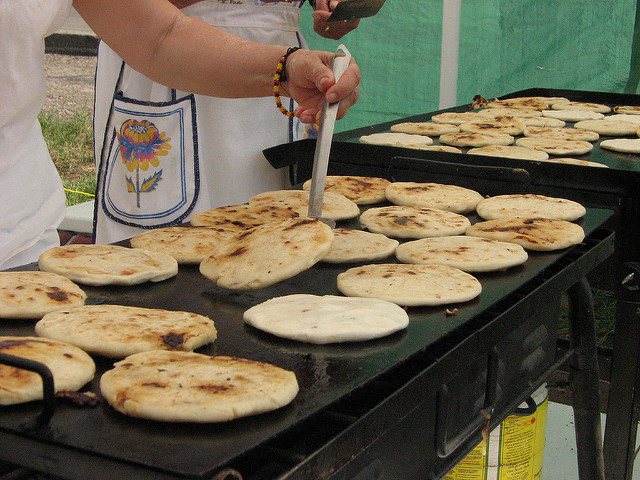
column 281, row 76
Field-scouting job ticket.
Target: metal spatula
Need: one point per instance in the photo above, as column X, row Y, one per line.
column 323, row 144
column 352, row 9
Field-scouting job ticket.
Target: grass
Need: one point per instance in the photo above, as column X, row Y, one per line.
column 604, row 307
column 70, row 142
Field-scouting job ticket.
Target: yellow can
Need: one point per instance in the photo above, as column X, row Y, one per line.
column 514, row 450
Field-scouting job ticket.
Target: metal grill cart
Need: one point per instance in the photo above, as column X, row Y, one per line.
column 615, row 188
column 407, row 406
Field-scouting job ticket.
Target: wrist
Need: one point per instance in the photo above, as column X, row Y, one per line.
column 281, row 76
column 283, row 61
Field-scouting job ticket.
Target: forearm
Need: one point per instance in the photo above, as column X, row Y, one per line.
column 180, row 51
column 212, row 63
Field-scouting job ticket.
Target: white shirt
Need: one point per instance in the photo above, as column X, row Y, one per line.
column 32, row 202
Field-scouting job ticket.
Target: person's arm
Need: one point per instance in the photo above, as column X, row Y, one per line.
column 182, row 52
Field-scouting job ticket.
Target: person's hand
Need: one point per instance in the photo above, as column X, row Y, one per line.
column 332, row 30
column 310, row 80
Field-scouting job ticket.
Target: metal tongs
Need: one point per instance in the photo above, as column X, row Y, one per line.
column 323, row 144
column 351, row 9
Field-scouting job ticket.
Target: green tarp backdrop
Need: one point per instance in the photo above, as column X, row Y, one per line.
column 505, row 46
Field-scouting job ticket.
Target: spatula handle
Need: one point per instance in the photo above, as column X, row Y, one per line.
column 323, row 144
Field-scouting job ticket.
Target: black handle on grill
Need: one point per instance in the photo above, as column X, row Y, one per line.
column 48, row 390
column 445, row 446
column 486, row 172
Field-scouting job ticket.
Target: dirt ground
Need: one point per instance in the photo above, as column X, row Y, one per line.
column 70, row 84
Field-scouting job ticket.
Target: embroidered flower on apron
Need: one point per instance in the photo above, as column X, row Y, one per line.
column 140, row 146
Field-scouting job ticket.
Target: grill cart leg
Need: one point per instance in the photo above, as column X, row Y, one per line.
column 585, row 382
column 622, row 410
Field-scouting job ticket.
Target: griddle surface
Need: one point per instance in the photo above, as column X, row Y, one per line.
column 325, row 373
column 615, row 160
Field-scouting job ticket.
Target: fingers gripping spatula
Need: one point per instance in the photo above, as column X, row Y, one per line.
column 323, row 144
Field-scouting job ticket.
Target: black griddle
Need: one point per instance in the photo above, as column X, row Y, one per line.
column 353, row 397
column 615, row 188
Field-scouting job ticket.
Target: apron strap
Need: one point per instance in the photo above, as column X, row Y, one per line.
column 118, row 91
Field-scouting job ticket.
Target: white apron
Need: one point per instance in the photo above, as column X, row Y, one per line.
column 32, row 202
column 227, row 165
